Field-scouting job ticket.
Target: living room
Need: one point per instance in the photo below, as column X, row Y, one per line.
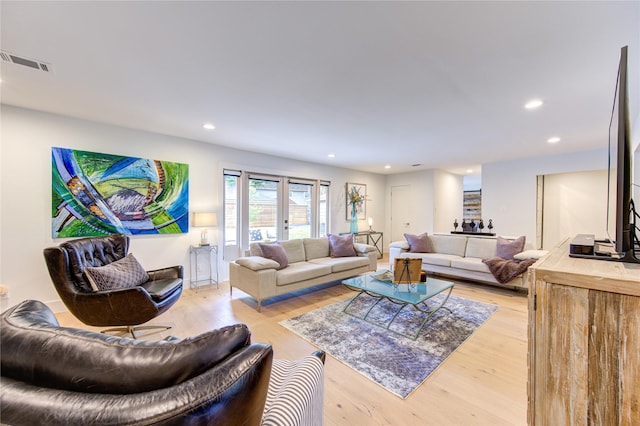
column 509, row 182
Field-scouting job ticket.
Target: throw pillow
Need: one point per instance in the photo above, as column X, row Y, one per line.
column 419, row 243
column 507, row 249
column 341, row 245
column 274, row 251
column 123, row 273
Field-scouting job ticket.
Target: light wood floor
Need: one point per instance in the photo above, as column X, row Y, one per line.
column 482, row 383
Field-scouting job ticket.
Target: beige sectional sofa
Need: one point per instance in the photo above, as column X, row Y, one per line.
column 460, row 256
column 310, row 264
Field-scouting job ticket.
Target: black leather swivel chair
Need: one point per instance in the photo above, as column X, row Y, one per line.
column 54, row 375
column 123, row 308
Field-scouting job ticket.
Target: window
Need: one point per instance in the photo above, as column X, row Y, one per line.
column 230, row 228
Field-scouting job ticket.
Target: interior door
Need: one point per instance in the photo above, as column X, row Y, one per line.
column 400, row 211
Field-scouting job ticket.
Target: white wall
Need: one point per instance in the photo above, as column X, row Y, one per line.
column 25, row 191
column 420, row 208
column 448, row 200
column 576, row 203
column 509, row 188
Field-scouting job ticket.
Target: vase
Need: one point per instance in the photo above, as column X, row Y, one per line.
column 354, row 220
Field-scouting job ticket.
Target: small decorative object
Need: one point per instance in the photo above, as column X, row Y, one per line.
column 370, row 221
column 481, row 225
column 455, row 224
column 356, row 195
column 472, row 225
column 407, row 270
column 353, row 226
column 465, row 225
column 490, row 226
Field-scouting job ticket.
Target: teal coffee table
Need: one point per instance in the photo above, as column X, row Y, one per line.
column 416, row 295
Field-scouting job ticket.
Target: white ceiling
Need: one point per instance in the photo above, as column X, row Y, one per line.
column 441, row 84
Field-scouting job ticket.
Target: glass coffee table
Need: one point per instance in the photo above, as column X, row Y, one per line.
column 414, row 294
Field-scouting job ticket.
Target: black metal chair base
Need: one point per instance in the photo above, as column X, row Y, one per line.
column 131, row 329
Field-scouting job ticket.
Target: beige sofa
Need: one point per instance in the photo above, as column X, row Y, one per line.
column 460, row 256
column 309, row 264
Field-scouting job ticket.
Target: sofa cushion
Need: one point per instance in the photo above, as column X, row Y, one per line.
column 294, row 249
column 506, row 249
column 124, row 273
column 340, row 264
column 257, row 263
column 301, row 271
column 449, row 244
column 36, row 350
column 470, row 264
column 159, row 290
column 482, row 248
column 316, row 247
column 275, row 252
column 433, row 258
column 254, row 250
column 341, row 245
column 419, row 243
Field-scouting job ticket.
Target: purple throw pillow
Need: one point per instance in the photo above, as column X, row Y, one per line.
column 419, row 243
column 275, row 252
column 341, row 245
column 507, row 249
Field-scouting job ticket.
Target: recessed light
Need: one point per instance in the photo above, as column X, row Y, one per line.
column 469, row 170
column 532, row 104
column 331, row 155
column 208, row 126
column 553, row 139
column 387, row 166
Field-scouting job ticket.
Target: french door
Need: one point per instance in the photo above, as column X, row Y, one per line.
column 264, row 208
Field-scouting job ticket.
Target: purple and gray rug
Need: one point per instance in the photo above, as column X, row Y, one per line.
column 397, row 363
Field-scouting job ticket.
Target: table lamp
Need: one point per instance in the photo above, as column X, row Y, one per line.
column 370, row 221
column 204, row 220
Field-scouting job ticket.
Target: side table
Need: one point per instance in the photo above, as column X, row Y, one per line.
column 372, row 238
column 198, row 255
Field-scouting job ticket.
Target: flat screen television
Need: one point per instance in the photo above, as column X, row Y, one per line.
column 626, row 236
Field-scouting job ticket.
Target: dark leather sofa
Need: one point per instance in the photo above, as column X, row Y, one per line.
column 64, row 376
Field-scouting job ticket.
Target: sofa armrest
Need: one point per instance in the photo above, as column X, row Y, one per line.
column 396, row 249
column 257, row 263
column 166, row 273
column 400, row 244
column 363, row 248
column 296, row 392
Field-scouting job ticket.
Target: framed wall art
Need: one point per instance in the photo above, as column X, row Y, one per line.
column 356, row 199
column 96, row 194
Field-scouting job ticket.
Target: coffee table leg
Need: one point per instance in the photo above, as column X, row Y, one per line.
column 430, row 313
column 376, row 296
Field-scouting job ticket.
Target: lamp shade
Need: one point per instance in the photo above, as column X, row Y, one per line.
column 205, row 219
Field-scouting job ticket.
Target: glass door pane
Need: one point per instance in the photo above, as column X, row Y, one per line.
column 300, row 210
column 263, row 209
column 323, row 216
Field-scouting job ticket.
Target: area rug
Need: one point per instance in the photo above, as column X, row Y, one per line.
column 397, row 363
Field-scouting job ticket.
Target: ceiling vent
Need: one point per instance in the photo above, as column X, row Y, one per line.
column 21, row 60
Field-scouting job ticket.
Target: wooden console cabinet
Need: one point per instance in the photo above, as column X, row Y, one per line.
column 584, row 341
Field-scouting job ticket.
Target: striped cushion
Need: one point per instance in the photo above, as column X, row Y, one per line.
column 296, row 393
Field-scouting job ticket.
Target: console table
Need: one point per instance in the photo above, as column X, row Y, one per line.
column 485, row 234
column 372, row 238
column 208, row 255
column 583, row 341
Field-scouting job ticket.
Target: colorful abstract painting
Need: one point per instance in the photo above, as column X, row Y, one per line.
column 97, row 194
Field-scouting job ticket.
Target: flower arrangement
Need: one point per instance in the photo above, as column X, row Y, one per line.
column 355, row 197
